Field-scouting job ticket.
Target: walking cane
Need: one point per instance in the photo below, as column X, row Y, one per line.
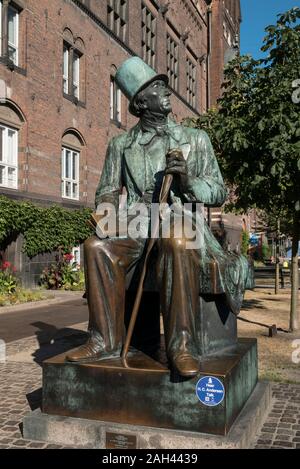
column 164, row 192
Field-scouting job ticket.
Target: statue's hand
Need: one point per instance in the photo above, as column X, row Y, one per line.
column 176, row 165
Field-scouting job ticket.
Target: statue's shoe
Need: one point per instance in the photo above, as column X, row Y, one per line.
column 185, row 364
column 86, row 352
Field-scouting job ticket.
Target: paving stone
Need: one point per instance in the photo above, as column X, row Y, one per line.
column 267, row 436
column 54, row 447
column 6, row 440
column 36, row 445
column 270, row 424
column 264, row 441
column 284, row 431
column 284, row 444
column 283, row 437
column 21, row 442
column 284, row 425
column 8, row 429
column 267, row 429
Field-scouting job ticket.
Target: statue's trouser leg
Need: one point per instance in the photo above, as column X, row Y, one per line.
column 106, row 264
column 179, row 293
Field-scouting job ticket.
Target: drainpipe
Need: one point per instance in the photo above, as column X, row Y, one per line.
column 208, row 84
column 208, row 92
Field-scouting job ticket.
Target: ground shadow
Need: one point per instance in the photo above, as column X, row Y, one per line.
column 250, row 304
column 34, row 399
column 53, row 341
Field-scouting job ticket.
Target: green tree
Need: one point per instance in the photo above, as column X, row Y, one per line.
column 256, row 131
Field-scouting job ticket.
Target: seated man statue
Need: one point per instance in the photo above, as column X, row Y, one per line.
column 137, row 161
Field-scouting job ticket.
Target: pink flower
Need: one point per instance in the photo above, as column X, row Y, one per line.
column 6, row 265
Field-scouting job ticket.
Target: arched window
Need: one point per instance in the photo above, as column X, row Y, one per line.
column 11, row 120
column 73, row 66
column 72, row 143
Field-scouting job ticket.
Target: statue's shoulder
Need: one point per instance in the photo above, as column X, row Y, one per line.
column 195, row 133
column 119, row 140
column 124, row 139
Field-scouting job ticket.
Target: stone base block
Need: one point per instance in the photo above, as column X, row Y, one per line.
column 80, row 432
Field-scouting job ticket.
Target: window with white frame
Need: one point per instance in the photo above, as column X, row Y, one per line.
column 76, row 74
column 8, row 157
column 70, row 173
column 66, row 70
column 13, row 34
column 9, row 46
column 115, row 101
column 71, row 71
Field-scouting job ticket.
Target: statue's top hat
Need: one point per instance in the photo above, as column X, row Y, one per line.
column 133, row 76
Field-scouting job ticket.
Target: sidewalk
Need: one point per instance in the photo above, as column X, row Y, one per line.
column 20, row 385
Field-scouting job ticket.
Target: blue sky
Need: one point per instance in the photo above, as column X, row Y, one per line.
column 257, row 14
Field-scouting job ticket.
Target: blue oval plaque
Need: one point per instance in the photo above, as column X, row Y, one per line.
column 210, row 391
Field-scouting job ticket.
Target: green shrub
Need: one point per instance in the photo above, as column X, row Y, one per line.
column 266, row 252
column 44, row 229
column 245, row 243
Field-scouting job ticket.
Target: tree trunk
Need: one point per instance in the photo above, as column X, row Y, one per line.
column 294, row 315
column 277, row 258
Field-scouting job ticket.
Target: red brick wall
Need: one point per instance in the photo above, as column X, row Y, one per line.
column 227, row 11
column 39, row 92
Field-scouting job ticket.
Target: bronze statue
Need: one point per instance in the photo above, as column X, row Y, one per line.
column 138, row 160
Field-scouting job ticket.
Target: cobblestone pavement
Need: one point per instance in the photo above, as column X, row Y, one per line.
column 20, row 392
column 281, row 428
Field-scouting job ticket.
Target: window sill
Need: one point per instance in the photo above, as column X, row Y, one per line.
column 70, row 199
column 118, row 124
column 12, row 66
column 74, row 100
column 8, row 188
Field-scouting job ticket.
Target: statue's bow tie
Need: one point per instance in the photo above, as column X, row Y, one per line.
column 160, row 131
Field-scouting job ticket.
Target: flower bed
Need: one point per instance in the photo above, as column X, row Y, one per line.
column 10, row 290
column 65, row 274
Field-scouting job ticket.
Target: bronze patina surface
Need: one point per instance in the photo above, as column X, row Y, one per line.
column 138, row 161
column 144, row 394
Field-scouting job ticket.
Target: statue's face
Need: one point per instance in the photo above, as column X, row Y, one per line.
column 156, row 97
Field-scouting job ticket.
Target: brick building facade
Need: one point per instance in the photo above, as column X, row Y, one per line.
column 224, row 16
column 59, row 105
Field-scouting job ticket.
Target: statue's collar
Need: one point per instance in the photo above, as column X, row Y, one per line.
column 144, row 135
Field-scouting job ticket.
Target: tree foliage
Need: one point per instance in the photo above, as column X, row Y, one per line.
column 256, row 128
column 256, row 132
